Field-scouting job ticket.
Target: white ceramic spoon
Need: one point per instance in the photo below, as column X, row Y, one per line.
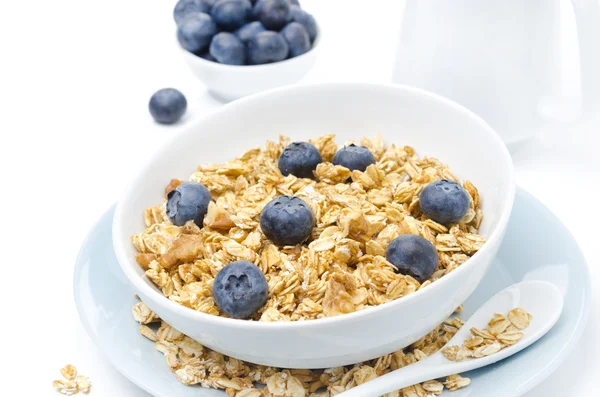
column 543, row 300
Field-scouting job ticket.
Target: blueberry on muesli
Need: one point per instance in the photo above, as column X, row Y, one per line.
column 354, row 157
column 188, row 201
column 444, row 201
column 299, row 159
column 287, row 220
column 240, row 289
column 413, row 255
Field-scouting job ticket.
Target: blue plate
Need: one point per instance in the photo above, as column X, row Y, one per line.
column 536, row 247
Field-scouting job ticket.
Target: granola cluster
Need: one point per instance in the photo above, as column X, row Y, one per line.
column 342, row 267
column 194, row 364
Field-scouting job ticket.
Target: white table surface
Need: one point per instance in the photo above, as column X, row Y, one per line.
column 75, row 82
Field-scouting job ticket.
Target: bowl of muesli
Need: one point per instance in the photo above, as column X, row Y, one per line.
column 319, row 225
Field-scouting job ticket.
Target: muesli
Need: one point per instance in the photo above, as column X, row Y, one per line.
column 330, row 230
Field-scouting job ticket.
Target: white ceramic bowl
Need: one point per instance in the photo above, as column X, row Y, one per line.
column 230, row 82
column 434, row 126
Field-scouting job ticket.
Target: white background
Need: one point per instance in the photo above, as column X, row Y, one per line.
column 75, row 79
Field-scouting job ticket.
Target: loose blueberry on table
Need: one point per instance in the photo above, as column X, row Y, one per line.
column 287, row 220
column 354, row 157
column 240, row 289
column 167, row 105
column 188, row 201
column 413, row 255
column 299, row 159
column 270, row 30
column 444, row 201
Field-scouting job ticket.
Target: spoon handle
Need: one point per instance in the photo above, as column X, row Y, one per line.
column 547, row 303
column 433, row 367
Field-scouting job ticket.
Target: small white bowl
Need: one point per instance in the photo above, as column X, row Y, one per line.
column 230, row 82
column 434, row 126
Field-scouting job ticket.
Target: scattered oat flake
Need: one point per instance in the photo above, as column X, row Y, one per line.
column 142, row 314
column 66, row 387
column 519, row 318
column 433, row 386
column 501, row 333
column 455, row 382
column 194, row 364
column 83, row 383
column 69, row 372
column 148, row 333
column 73, row 383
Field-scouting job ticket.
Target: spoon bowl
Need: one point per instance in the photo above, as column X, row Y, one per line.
column 540, row 298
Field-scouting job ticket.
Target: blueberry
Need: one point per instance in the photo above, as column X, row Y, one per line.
column 299, row 159
column 231, row 14
column 206, row 56
column 267, row 47
column 255, row 8
column 297, row 38
column 247, row 31
column 167, row 105
column 354, row 157
column 240, row 289
column 188, row 201
column 186, row 7
column 287, row 220
column 303, row 17
column 295, row 2
column 195, row 32
column 444, row 201
column 413, row 255
column 273, row 14
column 227, row 48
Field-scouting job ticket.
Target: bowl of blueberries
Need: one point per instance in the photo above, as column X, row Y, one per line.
column 241, row 47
